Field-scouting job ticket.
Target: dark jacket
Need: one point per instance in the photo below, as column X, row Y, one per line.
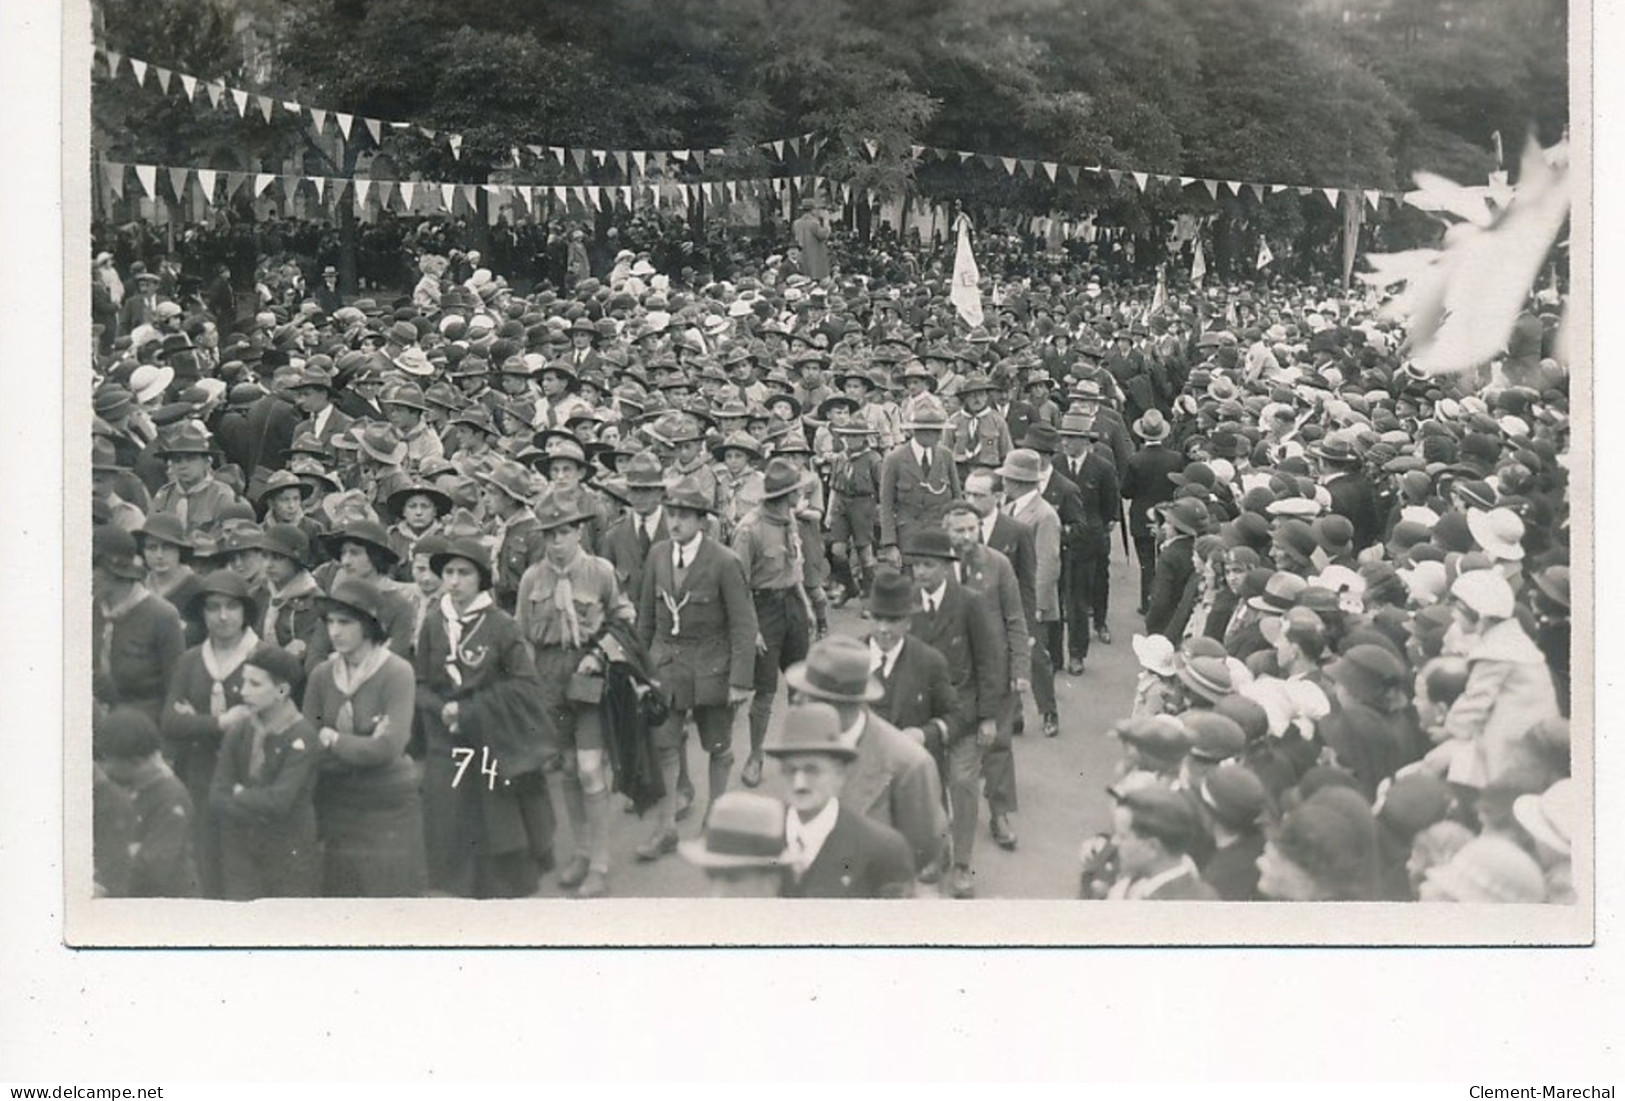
column 918, row 689
column 1145, row 483
column 1175, row 567
column 714, row 647
column 965, row 636
column 1233, row 870
column 861, row 858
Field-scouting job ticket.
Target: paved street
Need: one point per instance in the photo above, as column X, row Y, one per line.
column 1060, row 780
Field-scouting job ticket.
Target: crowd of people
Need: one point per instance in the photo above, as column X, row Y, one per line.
column 377, row 579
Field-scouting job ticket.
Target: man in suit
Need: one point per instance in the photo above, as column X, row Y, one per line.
column 1181, row 522
column 314, row 392
column 1024, row 502
column 1014, row 540
column 959, row 627
column 1064, row 497
column 141, row 307
column 629, row 538
column 1353, row 496
column 272, row 420
column 1153, row 831
column 1145, row 484
column 988, row 576
column 894, row 779
column 697, row 620
column 917, row 480
column 326, row 293
column 1086, row 560
column 833, row 851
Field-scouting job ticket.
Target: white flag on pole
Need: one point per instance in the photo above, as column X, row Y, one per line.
column 1265, row 256
column 1198, row 266
column 967, row 291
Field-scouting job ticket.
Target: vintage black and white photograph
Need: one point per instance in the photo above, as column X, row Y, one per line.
column 557, row 465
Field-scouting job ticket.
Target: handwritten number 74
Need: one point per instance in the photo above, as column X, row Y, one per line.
column 464, row 755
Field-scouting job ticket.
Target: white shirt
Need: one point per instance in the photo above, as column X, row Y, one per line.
column 806, row 839
column 933, row 600
column 921, row 455
column 682, row 554
column 988, row 523
column 649, row 524
column 321, row 419
column 1043, row 482
column 883, row 661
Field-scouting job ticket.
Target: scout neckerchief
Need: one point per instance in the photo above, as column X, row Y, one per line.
column 110, row 617
column 348, row 681
column 458, row 624
column 680, row 561
column 301, row 585
column 221, row 664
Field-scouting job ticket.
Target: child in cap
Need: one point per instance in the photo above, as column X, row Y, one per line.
column 159, row 838
column 263, row 789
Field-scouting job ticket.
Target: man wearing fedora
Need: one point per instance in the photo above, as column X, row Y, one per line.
column 1086, row 563
column 918, row 479
column 1145, row 485
column 742, row 851
column 697, row 620
column 1181, row 521
column 832, row 850
column 1353, row 495
column 1024, row 502
column 627, row 540
column 894, row 779
column 768, row 544
column 314, row 392
column 191, row 494
column 951, row 620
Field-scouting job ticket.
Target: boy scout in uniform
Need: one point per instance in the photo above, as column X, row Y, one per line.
column 518, row 541
column 696, row 618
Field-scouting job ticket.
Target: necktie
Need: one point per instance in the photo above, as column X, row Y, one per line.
column 641, row 523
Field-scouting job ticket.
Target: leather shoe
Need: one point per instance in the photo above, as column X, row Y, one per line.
column 751, row 774
column 1075, row 667
column 1003, row 836
column 596, row 885
column 1052, row 726
column 931, row 873
column 964, row 883
column 574, row 872
column 1104, row 634
column 657, row 846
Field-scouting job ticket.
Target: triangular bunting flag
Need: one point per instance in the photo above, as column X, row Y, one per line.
column 113, row 58
column 428, row 134
column 177, row 181
column 320, row 183
column 318, row 119
column 265, row 104
column 1304, row 190
column 1332, row 195
column 560, row 194
column 626, row 197
column 580, row 157
column 262, row 180
column 1275, row 188
column 964, row 156
column 1234, row 186
column 217, row 92
column 470, row 195
column 1114, row 175
column 163, row 78
column 291, row 107
column 234, row 183
column 205, row 183
column 115, row 178
column 1009, row 164
column 1186, row 181
column 535, row 150
column 557, row 153
column 1072, row 171
column 447, row 196
column 456, row 143
column 147, row 176
column 409, row 191
column 1257, row 190
column 1140, row 179
column 1212, row 188
column 593, row 195
column 917, row 152
column 699, row 159
column 139, row 68
column 640, row 158
column 1374, row 199
column 733, row 190
column 363, row 189
column 345, row 122
column 871, row 146
column 778, row 149
column 1050, row 169
column 620, row 160
column 240, row 98
column 376, row 129
column 188, row 85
